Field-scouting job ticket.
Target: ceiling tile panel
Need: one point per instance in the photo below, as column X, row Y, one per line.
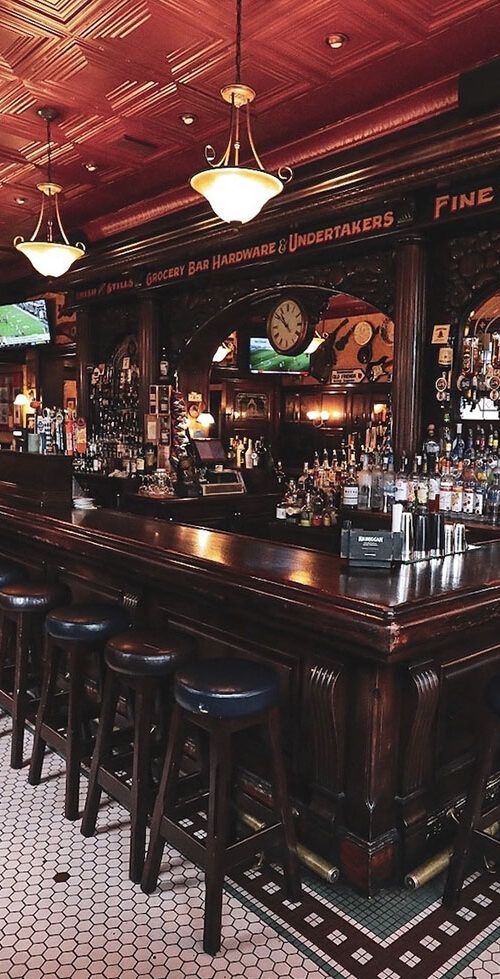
column 121, row 72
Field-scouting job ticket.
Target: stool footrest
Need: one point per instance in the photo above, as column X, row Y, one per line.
column 239, row 852
column 187, row 806
column 489, row 846
column 177, row 836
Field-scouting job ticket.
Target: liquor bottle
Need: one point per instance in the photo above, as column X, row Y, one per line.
column 306, row 513
column 457, row 493
column 431, row 444
column 458, row 449
column 445, row 489
column 365, row 484
column 249, row 455
column 350, row 490
column 434, row 484
column 401, row 492
column 422, row 485
column 377, row 487
column 163, row 363
column 468, row 490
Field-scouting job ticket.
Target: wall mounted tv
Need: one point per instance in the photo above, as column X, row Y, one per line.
column 24, row 324
column 264, row 359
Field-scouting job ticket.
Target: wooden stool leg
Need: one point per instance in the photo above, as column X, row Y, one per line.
column 101, row 751
column 164, row 800
column 47, row 693
column 74, row 734
column 218, row 823
column 470, row 816
column 5, row 628
column 282, row 805
column 20, row 694
column 141, row 778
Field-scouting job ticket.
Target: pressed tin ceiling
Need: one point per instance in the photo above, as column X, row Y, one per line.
column 122, row 72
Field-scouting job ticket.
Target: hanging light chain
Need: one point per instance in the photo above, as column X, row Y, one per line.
column 49, row 155
column 238, row 40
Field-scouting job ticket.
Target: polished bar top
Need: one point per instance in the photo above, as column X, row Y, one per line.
column 465, row 588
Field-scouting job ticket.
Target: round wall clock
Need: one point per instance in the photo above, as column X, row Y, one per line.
column 288, row 327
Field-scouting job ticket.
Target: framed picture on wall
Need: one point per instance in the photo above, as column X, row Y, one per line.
column 11, row 383
column 251, row 406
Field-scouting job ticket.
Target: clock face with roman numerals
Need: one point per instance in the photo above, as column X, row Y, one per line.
column 288, row 327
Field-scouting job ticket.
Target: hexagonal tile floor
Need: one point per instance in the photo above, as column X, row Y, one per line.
column 68, row 910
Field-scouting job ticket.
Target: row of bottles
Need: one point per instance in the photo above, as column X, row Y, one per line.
column 116, row 438
column 246, row 453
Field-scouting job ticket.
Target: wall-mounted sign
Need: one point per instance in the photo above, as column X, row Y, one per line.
column 452, row 204
column 440, row 333
column 345, row 376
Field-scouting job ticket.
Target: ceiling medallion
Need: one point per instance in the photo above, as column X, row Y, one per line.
column 50, row 254
column 237, row 193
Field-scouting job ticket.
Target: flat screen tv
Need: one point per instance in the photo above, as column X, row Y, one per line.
column 264, row 359
column 24, row 324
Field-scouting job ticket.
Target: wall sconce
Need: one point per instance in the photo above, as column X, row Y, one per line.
column 206, row 419
column 316, row 342
column 21, row 401
column 221, row 353
column 318, row 418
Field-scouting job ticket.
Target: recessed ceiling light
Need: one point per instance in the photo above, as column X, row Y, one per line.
column 20, row 200
column 335, row 41
column 188, row 118
column 90, row 166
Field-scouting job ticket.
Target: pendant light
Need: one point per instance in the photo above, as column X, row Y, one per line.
column 234, row 192
column 48, row 249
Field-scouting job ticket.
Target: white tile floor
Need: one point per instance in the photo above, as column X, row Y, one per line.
column 68, row 910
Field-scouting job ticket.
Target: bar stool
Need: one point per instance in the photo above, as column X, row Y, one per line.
column 23, row 604
column 471, row 833
column 223, row 697
column 140, row 662
column 79, row 631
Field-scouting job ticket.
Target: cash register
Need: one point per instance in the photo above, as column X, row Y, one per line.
column 216, row 476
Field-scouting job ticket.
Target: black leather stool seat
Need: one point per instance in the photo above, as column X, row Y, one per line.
column 226, row 687
column 32, row 596
column 11, row 573
column 147, row 653
column 87, row 623
column 493, row 694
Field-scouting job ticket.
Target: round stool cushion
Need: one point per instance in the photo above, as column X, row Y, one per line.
column 87, row 623
column 493, row 694
column 145, row 653
column 32, row 596
column 11, row 573
column 226, row 687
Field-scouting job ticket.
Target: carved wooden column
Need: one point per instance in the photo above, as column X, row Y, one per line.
column 147, row 345
column 83, row 359
column 409, row 339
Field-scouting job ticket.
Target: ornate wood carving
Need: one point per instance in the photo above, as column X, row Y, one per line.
column 324, row 714
column 469, row 266
column 418, row 755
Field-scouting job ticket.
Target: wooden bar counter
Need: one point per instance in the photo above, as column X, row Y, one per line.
column 381, row 673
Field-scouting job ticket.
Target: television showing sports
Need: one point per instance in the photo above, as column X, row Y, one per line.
column 24, row 324
column 264, row 359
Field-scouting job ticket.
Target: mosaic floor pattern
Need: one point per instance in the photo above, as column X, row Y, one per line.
column 68, row 910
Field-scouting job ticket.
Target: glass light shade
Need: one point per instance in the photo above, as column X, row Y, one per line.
column 313, row 415
column 205, row 419
column 49, row 257
column 21, row 400
column 316, row 342
column 236, row 193
column 221, row 353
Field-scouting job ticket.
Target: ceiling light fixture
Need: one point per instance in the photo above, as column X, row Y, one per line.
column 20, row 200
column 50, row 254
column 234, row 192
column 90, row 166
column 336, row 41
column 188, row 118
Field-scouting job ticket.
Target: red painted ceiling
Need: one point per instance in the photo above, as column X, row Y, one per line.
column 122, row 71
